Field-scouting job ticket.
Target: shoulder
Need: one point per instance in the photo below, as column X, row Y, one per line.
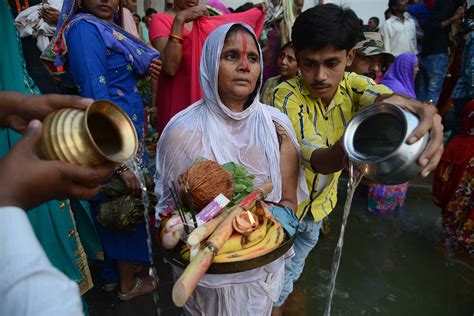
column 162, row 18
column 80, row 27
column 289, row 88
column 288, row 95
column 354, row 83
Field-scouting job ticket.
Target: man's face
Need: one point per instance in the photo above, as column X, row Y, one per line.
column 372, row 24
column 401, row 6
column 299, row 4
column 366, row 65
column 323, row 70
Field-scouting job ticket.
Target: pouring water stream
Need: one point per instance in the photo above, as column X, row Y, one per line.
column 355, row 176
column 133, row 166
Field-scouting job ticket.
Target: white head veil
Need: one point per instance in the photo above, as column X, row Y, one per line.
column 209, row 129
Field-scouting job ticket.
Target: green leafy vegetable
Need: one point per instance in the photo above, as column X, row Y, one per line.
column 243, row 181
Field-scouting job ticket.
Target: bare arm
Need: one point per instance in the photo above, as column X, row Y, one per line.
column 289, row 167
column 171, row 50
column 328, row 160
column 456, row 17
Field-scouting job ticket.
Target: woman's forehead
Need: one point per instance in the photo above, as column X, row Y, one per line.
column 240, row 39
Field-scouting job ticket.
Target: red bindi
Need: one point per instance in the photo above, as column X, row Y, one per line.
column 245, row 62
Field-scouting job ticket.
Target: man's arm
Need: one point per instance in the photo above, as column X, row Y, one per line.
column 315, row 154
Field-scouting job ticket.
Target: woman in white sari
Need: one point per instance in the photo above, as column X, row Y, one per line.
column 230, row 125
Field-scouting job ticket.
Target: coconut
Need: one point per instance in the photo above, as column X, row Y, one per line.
column 205, row 180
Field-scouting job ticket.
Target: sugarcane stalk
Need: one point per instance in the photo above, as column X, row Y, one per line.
column 196, row 269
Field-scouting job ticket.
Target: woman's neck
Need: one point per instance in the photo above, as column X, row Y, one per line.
column 234, row 105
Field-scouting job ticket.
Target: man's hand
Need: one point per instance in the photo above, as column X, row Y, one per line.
column 430, row 121
column 18, row 109
column 27, row 181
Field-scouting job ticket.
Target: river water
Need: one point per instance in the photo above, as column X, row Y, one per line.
column 390, row 265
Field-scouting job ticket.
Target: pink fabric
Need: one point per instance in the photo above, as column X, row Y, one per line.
column 129, row 23
column 177, row 92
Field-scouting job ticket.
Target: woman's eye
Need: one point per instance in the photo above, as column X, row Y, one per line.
column 253, row 59
column 230, row 56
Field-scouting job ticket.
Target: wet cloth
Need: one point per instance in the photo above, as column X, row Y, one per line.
column 453, row 186
column 177, row 92
column 210, row 130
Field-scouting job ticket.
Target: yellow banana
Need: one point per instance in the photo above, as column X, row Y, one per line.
column 237, row 241
column 273, row 239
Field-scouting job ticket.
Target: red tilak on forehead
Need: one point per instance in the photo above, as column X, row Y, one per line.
column 245, row 62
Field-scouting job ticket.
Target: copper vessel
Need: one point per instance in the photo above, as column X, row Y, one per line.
column 102, row 133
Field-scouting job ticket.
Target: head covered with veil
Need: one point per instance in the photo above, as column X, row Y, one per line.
column 137, row 53
column 211, row 128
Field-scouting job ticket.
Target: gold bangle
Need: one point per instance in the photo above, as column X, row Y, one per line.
column 176, row 38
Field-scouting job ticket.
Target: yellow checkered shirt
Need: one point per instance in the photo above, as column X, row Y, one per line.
column 320, row 127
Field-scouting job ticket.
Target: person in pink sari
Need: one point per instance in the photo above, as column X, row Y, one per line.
column 179, row 36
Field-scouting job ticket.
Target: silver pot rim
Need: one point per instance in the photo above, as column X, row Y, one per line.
column 354, row 123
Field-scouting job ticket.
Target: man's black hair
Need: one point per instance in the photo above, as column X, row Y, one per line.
column 376, row 19
column 392, row 4
column 324, row 26
column 150, row 11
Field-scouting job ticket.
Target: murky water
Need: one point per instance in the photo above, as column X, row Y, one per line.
column 354, row 179
column 146, row 203
column 391, row 265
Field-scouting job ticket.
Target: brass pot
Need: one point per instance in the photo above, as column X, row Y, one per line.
column 102, row 133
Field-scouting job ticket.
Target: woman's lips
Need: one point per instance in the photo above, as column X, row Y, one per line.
column 104, row 8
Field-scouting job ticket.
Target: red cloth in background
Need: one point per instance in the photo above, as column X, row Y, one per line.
column 177, row 92
column 457, row 155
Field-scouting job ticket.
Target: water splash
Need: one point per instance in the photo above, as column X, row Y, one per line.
column 355, row 175
column 133, row 166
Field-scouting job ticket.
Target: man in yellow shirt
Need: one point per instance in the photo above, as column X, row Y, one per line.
column 319, row 104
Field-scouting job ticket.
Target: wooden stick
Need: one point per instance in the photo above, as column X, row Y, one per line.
column 187, row 282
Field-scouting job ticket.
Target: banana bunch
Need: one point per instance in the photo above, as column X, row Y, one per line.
column 273, row 238
column 268, row 236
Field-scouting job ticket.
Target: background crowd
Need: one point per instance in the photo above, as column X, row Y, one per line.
column 152, row 67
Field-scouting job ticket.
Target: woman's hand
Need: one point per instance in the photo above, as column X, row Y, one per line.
column 50, row 15
column 155, row 68
column 192, row 14
column 430, row 121
column 131, row 181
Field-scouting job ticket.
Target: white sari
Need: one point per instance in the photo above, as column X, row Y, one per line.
column 209, row 129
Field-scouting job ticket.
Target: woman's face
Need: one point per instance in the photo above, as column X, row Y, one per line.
column 103, row 9
column 239, row 67
column 417, row 68
column 185, row 4
column 287, row 65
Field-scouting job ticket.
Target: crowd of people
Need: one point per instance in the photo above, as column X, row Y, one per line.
column 268, row 86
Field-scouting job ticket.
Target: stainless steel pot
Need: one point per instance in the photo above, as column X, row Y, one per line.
column 376, row 140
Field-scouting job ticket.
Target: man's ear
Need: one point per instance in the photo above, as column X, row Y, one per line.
column 350, row 57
